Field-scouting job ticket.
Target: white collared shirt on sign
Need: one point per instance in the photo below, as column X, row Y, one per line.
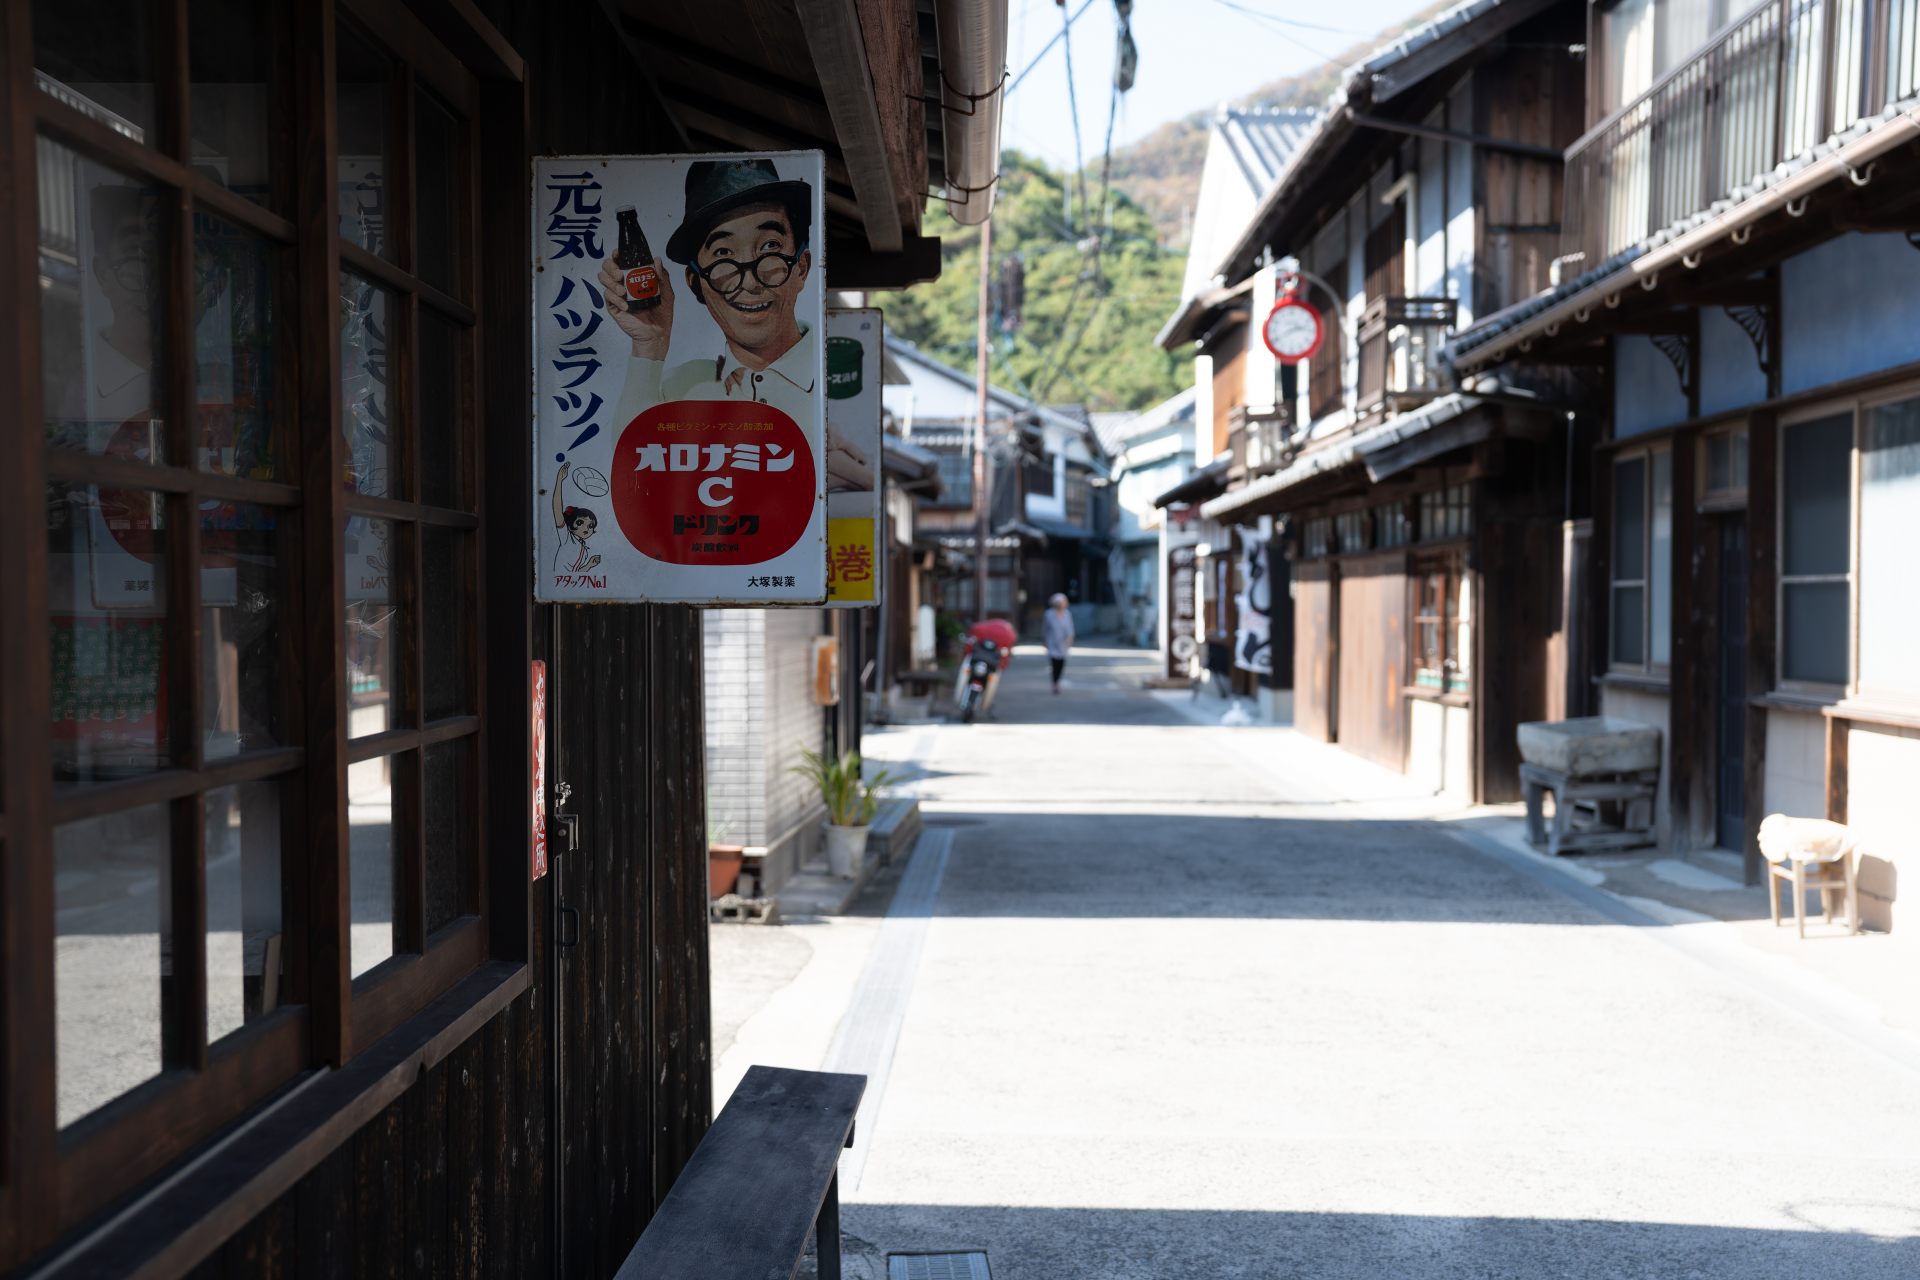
column 787, row 384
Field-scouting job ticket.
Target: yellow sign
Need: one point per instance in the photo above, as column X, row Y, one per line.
column 853, row 562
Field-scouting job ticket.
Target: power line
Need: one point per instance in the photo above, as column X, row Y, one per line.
column 1073, row 106
column 1046, row 48
column 1278, row 26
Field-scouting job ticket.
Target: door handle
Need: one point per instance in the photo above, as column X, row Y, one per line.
column 569, row 937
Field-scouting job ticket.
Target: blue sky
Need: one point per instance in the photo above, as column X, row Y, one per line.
column 1193, row 55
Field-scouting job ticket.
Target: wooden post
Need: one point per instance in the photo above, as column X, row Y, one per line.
column 1763, row 502
column 1690, row 608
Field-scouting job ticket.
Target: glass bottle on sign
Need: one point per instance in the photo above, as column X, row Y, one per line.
column 636, row 260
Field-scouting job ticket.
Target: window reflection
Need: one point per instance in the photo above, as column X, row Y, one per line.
column 102, row 305
column 363, row 99
column 112, row 961
column 240, row 628
column 245, row 952
column 373, row 627
column 371, row 852
column 97, row 57
column 235, row 412
column 107, row 624
column 233, row 107
column 363, row 386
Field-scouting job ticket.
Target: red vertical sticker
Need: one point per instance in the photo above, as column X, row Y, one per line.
column 539, row 860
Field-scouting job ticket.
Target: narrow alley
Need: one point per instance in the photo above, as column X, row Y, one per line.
column 1241, row 1008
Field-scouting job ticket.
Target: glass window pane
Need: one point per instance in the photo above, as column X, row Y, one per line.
column 451, row 850
column 1629, row 626
column 1813, row 628
column 1739, row 468
column 112, row 957
column 363, row 387
column 245, row 945
column 446, row 588
column 1889, row 531
column 1462, row 654
column 234, row 109
column 1660, row 563
column 97, row 56
column 372, row 854
column 1719, row 463
column 107, row 624
column 438, row 161
column 103, row 272
column 1630, row 520
column 444, row 459
column 243, row 670
column 363, row 104
column 236, row 410
column 374, row 628
column 1818, row 505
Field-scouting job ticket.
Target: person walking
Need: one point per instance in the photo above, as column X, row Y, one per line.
column 1056, row 628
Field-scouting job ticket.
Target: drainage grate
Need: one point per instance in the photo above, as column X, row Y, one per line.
column 937, row 1266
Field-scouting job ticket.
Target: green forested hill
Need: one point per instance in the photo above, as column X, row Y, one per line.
column 1094, row 296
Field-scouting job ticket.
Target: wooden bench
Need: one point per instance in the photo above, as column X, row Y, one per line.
column 765, row 1175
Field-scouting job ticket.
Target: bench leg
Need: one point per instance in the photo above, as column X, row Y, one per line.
column 1800, row 896
column 826, row 1233
column 1536, row 816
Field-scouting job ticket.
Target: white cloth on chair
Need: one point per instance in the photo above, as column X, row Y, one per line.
column 1805, row 839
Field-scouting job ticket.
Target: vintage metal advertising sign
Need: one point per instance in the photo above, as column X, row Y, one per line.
column 680, row 403
column 855, row 353
column 1182, row 641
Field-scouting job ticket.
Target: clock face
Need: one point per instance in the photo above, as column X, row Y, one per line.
column 1292, row 330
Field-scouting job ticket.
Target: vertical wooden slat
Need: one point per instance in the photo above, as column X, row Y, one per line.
column 185, row 1019
column 1690, row 605
column 26, row 872
column 466, row 1158
column 403, row 443
column 424, row 1114
column 1763, row 514
column 1838, row 737
column 323, row 1210
column 322, row 459
column 380, row 1227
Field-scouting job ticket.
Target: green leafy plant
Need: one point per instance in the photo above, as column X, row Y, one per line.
column 719, row 825
column 850, row 802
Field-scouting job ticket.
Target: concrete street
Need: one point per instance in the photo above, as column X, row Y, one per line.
column 1162, row 999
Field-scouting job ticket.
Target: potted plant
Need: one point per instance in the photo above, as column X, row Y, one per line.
column 723, row 859
column 851, row 804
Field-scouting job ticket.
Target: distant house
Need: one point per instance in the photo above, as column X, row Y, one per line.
column 1428, row 193
column 1050, row 518
column 1150, row 451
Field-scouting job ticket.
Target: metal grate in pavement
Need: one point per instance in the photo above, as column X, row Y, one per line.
column 937, row 1266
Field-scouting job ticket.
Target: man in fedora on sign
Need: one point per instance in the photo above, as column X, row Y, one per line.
column 744, row 241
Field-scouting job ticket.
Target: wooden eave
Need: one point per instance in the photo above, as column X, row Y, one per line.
column 840, row 76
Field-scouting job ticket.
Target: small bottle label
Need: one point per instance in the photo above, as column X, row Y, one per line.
column 643, row 282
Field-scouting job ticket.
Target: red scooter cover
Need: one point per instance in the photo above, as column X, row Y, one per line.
column 998, row 630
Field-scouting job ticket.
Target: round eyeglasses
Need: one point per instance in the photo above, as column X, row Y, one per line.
column 729, row 276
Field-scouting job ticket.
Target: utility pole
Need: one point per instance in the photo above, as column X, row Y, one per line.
column 980, row 495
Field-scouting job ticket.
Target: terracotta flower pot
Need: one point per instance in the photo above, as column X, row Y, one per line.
column 723, row 868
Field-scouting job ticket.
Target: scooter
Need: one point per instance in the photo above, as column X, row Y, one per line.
column 981, row 668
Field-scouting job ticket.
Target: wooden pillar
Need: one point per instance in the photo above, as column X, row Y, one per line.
column 1763, row 515
column 1690, row 608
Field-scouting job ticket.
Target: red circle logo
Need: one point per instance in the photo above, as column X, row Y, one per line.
column 713, row 482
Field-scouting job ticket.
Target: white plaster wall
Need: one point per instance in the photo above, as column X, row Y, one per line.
column 1426, row 743
column 1202, row 410
column 792, row 719
column 1459, row 747
column 1647, row 707
column 732, row 641
column 1796, row 773
column 1882, row 767
column 1259, row 364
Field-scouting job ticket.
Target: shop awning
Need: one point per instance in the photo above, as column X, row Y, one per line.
column 1388, row 443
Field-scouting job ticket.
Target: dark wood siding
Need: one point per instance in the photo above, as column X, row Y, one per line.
column 1313, row 655
column 1372, row 716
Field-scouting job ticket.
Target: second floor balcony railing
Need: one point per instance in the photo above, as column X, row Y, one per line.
column 1400, row 341
column 1258, row 440
column 1771, row 85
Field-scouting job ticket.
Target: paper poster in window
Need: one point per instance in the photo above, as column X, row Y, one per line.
column 680, row 397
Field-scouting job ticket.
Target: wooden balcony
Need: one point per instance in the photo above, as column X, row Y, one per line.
column 1400, row 341
column 1771, row 85
column 1258, row 440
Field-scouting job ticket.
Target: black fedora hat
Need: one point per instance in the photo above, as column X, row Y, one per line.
column 717, row 187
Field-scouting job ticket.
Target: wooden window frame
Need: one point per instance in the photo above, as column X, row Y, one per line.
column 53, row 1179
column 1853, row 407
column 1456, row 670
column 1644, row 455
column 1734, row 496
